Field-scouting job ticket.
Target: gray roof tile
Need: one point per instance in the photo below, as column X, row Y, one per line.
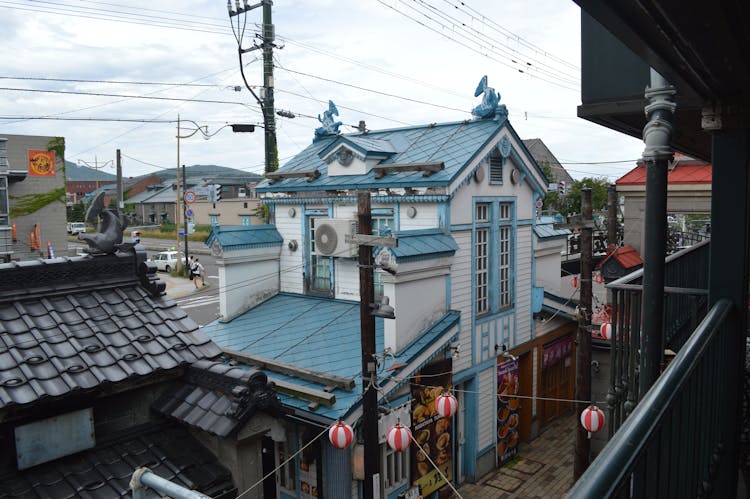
column 70, row 331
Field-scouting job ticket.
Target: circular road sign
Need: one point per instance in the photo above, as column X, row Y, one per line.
column 189, row 197
column 189, row 212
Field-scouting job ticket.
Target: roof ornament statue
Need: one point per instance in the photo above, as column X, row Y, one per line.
column 488, row 108
column 109, row 237
column 329, row 126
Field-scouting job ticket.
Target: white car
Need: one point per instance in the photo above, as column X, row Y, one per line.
column 76, row 227
column 165, row 260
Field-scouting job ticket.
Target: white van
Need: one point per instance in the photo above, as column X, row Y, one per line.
column 76, row 227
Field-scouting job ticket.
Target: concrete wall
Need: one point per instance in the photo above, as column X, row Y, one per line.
column 52, row 218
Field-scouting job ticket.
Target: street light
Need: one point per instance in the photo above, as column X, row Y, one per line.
column 95, row 167
column 203, row 129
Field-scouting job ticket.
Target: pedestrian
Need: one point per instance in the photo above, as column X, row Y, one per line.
column 199, row 271
column 191, row 263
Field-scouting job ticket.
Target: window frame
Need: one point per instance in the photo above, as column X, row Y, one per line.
column 495, row 219
column 315, row 262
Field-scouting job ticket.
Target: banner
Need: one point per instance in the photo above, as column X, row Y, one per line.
column 430, row 430
column 507, row 410
column 556, row 351
column 41, row 163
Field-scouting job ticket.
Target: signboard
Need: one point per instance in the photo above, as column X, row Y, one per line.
column 556, row 351
column 41, row 163
column 430, row 430
column 189, row 197
column 507, row 410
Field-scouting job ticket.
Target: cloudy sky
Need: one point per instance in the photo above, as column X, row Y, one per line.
column 391, row 63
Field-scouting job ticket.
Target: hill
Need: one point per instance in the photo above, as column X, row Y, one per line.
column 76, row 173
column 193, row 171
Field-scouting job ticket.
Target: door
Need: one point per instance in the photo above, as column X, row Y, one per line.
column 269, row 464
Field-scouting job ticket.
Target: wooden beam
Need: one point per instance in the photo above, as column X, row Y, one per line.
column 427, row 169
column 309, row 174
column 310, row 394
column 328, row 380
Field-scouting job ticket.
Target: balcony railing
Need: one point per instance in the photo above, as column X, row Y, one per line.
column 681, row 439
column 685, row 304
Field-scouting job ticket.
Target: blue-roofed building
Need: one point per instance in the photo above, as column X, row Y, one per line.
column 460, row 198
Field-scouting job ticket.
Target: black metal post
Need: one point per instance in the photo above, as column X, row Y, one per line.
column 369, row 428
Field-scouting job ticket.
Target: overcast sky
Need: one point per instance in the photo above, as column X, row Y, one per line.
column 391, row 63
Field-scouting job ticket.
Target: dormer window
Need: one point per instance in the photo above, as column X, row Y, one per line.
column 496, row 167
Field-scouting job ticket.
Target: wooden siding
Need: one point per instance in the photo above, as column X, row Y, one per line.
column 461, row 296
column 291, row 263
column 523, row 284
column 426, row 217
column 346, row 274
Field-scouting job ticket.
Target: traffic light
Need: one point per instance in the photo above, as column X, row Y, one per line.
column 561, row 187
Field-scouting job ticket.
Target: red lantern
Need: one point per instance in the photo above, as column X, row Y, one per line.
column 574, row 281
column 592, row 419
column 598, row 278
column 606, row 330
column 399, row 437
column 446, row 405
column 340, row 434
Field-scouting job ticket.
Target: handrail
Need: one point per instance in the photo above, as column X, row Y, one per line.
column 618, row 459
column 636, row 274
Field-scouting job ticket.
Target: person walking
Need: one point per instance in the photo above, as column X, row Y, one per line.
column 199, row 271
column 190, row 265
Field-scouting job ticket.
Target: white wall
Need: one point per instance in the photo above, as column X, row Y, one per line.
column 247, row 278
column 425, row 218
column 292, row 262
column 461, row 296
column 523, row 285
column 487, row 415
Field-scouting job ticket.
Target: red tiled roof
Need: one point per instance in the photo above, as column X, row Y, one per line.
column 691, row 173
column 626, row 256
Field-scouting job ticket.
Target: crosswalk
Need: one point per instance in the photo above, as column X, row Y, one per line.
column 198, row 300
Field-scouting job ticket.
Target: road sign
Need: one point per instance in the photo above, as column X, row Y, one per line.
column 189, row 197
column 189, row 212
column 539, row 203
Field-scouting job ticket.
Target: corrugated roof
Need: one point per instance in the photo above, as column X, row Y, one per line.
column 245, row 236
column 218, row 398
column 317, row 334
column 105, row 471
column 454, row 144
column 424, row 243
column 76, row 323
column 545, row 228
column 680, row 174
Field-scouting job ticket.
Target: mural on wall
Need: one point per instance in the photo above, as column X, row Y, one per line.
column 430, row 430
column 507, row 410
column 41, row 163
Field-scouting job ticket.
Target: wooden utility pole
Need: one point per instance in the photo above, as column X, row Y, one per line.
column 120, row 204
column 612, row 215
column 583, row 351
column 178, row 206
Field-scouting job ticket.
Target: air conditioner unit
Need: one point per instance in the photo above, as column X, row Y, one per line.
column 330, row 238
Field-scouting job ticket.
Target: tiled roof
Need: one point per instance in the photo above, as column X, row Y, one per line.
column 105, row 471
column 218, row 398
column 423, row 243
column 74, row 324
column 681, row 174
column 454, row 144
column 626, row 256
column 245, row 236
column 319, row 335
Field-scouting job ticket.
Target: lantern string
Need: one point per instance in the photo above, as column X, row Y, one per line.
column 284, row 463
column 427, row 456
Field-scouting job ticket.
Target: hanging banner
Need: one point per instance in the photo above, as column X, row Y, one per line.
column 41, row 163
column 556, row 351
column 507, row 410
column 430, row 430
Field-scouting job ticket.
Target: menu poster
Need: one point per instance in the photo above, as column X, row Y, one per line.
column 507, row 410
column 430, row 430
column 308, row 479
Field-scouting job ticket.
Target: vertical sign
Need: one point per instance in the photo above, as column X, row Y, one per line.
column 430, row 430
column 507, row 410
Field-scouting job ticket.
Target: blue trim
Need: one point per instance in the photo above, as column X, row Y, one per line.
column 330, row 209
column 471, row 399
column 514, row 268
column 443, row 215
column 461, row 227
column 429, row 198
column 462, row 376
column 535, row 197
column 448, row 290
column 527, row 221
column 396, row 216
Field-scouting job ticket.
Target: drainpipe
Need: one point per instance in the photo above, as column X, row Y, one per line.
column 656, row 134
column 143, row 478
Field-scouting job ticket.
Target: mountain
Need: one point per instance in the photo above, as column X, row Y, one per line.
column 193, row 171
column 74, row 172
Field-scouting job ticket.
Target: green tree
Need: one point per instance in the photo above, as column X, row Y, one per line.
column 572, row 200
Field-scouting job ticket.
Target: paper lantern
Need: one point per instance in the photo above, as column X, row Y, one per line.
column 446, row 405
column 606, row 330
column 340, row 434
column 399, row 437
column 592, row 419
column 598, row 278
column 574, row 281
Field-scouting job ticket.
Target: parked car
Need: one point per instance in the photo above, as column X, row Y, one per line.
column 165, row 260
column 76, row 227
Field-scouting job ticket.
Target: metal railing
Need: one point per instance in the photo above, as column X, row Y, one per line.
column 677, row 441
column 685, row 304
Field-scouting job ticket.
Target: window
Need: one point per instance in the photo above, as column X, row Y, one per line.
column 481, row 258
column 214, row 219
column 285, row 475
column 320, row 280
column 244, row 219
column 394, row 468
column 493, row 257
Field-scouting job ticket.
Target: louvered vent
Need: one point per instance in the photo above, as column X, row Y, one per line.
column 496, row 168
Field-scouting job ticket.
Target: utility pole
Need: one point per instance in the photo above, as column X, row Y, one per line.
column 184, row 184
column 177, row 206
column 612, row 215
column 583, row 351
column 266, row 100
column 120, row 204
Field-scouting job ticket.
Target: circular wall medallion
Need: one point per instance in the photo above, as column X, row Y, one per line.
column 292, row 212
column 293, row 245
column 411, row 212
column 514, row 176
column 479, row 174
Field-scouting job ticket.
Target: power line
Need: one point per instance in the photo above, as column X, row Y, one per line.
column 100, row 94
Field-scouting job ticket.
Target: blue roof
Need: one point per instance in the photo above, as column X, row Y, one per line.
column 545, row 229
column 419, row 244
column 318, row 334
column 236, row 237
column 454, row 144
column 363, row 144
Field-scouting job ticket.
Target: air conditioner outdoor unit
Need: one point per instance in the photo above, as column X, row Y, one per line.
column 330, row 238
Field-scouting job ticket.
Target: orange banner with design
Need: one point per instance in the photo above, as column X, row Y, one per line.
column 41, row 163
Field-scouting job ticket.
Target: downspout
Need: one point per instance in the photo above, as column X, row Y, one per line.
column 656, row 134
column 143, row 478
